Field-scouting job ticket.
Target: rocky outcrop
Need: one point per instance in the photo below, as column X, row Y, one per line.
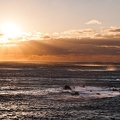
column 66, row 87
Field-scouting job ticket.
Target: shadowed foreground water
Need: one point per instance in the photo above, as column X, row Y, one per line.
column 35, row 91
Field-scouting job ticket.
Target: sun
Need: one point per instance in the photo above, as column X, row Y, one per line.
column 10, row 30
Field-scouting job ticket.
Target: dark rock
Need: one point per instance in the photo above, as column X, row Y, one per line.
column 67, row 87
column 97, row 93
column 114, row 89
column 83, row 86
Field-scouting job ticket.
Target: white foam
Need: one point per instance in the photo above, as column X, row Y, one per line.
column 84, row 92
column 100, row 92
column 30, row 92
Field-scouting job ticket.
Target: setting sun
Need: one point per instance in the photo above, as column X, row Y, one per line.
column 10, row 30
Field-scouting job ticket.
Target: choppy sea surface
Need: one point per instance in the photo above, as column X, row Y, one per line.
column 35, row 91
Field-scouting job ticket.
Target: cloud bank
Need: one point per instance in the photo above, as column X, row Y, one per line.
column 65, row 49
column 83, row 45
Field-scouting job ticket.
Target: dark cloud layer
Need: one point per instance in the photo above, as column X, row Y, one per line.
column 71, row 46
column 66, row 47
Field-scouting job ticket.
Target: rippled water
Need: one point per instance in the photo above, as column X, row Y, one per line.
column 34, row 91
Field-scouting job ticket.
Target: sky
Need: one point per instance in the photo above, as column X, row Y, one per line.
column 60, row 30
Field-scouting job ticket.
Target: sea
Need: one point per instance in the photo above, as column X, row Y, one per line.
column 36, row 91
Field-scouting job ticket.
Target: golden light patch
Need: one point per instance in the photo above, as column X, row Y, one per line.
column 10, row 30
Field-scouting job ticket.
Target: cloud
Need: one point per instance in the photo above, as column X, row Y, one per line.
column 108, row 35
column 65, row 46
column 46, row 37
column 71, row 45
column 92, row 22
column 99, row 36
column 115, row 30
column 64, row 49
column 77, row 58
column 80, row 31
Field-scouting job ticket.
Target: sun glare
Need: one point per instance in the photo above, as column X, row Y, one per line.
column 10, row 30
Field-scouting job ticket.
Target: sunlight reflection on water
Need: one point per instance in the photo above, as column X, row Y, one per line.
column 85, row 92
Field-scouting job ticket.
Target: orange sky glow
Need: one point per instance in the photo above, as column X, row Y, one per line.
column 59, row 31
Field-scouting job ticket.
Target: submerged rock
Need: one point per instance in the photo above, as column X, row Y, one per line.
column 90, row 90
column 83, row 86
column 66, row 87
column 97, row 93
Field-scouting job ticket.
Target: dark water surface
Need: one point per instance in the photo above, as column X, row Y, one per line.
column 34, row 91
